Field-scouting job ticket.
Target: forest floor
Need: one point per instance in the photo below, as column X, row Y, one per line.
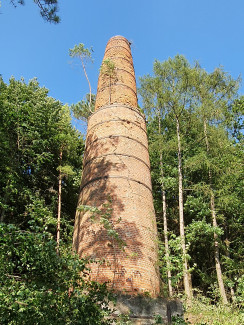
column 207, row 314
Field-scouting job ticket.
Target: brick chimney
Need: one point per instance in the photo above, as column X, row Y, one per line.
column 122, row 238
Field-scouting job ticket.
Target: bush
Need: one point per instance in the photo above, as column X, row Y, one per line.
column 37, row 286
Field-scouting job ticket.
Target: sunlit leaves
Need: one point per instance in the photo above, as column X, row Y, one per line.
column 37, row 286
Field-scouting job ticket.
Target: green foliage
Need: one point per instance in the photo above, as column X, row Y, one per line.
column 124, row 320
column 108, row 68
column 34, row 129
column 178, row 320
column 66, row 170
column 81, row 52
column 158, row 319
column 37, row 285
column 175, row 259
column 103, row 216
column 195, row 97
column 82, row 110
column 203, row 312
column 84, row 54
column 235, row 120
column 40, row 287
column 48, row 9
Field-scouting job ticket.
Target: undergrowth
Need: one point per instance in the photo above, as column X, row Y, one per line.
column 203, row 312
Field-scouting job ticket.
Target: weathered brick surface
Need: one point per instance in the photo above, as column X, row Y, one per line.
column 116, row 167
column 122, row 89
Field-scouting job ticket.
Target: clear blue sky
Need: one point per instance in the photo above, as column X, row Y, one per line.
column 210, row 31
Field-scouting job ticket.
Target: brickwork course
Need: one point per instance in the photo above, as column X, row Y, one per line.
column 116, row 179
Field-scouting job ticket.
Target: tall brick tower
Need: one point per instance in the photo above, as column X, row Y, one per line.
column 116, row 179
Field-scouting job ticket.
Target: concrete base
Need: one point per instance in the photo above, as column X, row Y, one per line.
column 141, row 310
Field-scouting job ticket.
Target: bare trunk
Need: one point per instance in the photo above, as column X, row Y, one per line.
column 3, row 209
column 214, row 221
column 59, row 201
column 2, row 215
column 166, row 241
column 186, row 279
column 84, row 68
column 232, row 291
column 5, row 198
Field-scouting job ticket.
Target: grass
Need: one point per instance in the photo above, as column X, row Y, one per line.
column 203, row 312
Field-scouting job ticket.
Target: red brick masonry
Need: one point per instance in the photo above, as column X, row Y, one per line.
column 117, row 168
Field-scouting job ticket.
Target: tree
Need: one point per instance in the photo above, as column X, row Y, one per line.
column 48, row 9
column 156, row 113
column 39, row 150
column 108, row 69
column 34, row 129
column 215, row 92
column 65, row 142
column 83, row 109
column 235, row 119
column 84, row 54
column 37, row 286
column 173, row 89
column 200, row 118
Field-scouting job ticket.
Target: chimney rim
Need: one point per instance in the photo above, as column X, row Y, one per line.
column 120, row 37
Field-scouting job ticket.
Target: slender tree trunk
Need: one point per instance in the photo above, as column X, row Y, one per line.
column 2, row 215
column 3, row 209
column 232, row 291
column 90, row 92
column 59, row 201
column 214, row 221
column 166, row 241
column 5, row 198
column 186, row 277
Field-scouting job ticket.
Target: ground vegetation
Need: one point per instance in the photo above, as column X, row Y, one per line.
column 195, row 122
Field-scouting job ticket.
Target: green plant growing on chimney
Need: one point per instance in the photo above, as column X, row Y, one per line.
column 103, row 216
column 108, row 69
